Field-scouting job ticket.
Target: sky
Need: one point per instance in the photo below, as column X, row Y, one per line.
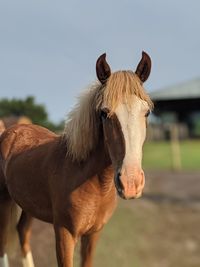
column 49, row 49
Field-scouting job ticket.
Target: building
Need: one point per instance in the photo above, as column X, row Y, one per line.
column 179, row 104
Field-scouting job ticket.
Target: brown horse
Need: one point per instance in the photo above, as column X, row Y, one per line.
column 72, row 180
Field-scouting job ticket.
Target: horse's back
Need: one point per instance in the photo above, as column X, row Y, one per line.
column 19, row 138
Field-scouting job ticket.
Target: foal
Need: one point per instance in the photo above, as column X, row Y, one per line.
column 71, row 180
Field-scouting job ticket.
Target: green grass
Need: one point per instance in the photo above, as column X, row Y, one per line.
column 119, row 234
column 158, row 155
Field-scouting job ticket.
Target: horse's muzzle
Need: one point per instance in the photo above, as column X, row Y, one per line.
column 129, row 187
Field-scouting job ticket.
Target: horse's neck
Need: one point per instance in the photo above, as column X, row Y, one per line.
column 97, row 161
column 100, row 155
column 97, row 164
column 100, row 163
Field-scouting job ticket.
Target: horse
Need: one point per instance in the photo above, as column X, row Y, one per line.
column 72, row 180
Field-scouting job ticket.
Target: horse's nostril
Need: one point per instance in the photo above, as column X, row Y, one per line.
column 118, row 182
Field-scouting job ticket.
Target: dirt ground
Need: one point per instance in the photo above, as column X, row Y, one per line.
column 165, row 231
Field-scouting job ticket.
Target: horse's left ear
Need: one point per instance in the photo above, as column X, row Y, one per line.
column 144, row 67
column 102, row 69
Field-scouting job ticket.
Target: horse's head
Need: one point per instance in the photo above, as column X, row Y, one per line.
column 124, row 111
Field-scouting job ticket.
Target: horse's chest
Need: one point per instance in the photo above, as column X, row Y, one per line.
column 95, row 214
column 103, row 216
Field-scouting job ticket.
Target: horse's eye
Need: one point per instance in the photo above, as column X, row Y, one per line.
column 147, row 114
column 104, row 114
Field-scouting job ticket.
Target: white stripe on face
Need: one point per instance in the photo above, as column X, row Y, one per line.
column 133, row 123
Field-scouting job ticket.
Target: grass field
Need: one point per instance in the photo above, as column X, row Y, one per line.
column 147, row 234
column 158, row 155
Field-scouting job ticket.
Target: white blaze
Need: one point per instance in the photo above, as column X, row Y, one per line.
column 133, row 123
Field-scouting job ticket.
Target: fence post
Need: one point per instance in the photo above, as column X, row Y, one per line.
column 175, row 148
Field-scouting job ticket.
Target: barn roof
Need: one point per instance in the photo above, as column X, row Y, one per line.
column 187, row 90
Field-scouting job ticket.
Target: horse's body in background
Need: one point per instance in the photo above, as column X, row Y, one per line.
column 71, row 180
column 18, row 220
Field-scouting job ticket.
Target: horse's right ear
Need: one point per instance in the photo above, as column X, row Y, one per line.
column 102, row 69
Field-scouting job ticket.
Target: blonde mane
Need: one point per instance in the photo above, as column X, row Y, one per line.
column 82, row 126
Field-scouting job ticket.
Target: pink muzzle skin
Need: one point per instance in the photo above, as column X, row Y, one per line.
column 130, row 183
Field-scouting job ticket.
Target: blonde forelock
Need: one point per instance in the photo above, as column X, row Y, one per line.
column 82, row 125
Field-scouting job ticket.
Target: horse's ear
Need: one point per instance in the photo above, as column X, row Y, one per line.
column 144, row 67
column 102, row 69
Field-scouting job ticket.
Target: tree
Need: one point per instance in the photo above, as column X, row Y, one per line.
column 27, row 107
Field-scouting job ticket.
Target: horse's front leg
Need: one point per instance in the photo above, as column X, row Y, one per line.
column 24, row 232
column 88, row 244
column 65, row 244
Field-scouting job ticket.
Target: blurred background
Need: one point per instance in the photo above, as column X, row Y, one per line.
column 48, row 52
